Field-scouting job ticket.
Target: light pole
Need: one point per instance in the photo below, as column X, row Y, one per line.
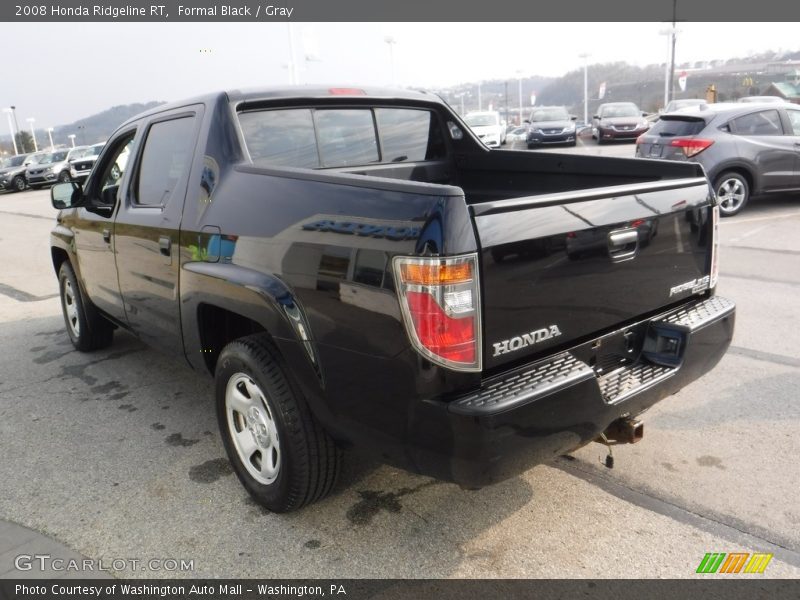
column 585, row 56
column 31, row 120
column 670, row 64
column 11, row 128
column 391, row 42
column 71, row 137
column 519, row 76
column 480, row 102
column 50, row 135
column 291, row 65
column 16, row 124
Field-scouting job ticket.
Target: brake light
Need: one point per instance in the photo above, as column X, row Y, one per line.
column 439, row 299
column 714, row 247
column 346, row 92
column 691, row 146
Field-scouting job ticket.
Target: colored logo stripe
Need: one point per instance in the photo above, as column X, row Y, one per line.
column 758, row 563
column 714, row 562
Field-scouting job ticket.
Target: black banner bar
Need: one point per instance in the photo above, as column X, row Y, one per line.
column 398, row 10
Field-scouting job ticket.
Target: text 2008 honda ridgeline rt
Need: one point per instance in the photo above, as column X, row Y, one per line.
column 357, row 270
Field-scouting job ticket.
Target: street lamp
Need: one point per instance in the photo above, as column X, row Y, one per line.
column 585, row 56
column 670, row 64
column 31, row 120
column 71, row 137
column 519, row 76
column 8, row 112
column 82, row 130
column 50, row 135
column 480, row 102
column 391, row 42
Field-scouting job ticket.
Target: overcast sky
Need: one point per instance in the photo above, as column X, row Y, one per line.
column 60, row 72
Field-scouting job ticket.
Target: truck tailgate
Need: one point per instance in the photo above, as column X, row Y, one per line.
column 564, row 267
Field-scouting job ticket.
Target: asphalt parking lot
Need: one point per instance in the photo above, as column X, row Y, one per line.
column 116, row 453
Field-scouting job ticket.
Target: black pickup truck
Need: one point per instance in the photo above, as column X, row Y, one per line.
column 356, row 269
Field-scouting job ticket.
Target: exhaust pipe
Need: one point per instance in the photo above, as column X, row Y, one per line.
column 625, row 431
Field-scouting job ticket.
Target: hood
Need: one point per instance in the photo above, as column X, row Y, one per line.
column 484, row 129
column 551, row 124
column 622, row 120
column 12, row 170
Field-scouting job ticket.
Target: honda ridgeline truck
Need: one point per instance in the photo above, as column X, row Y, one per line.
column 356, row 269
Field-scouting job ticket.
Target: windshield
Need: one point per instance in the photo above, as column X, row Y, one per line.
column 94, row 150
column 78, row 153
column 54, row 157
column 481, row 120
column 622, row 110
column 550, row 114
column 14, row 161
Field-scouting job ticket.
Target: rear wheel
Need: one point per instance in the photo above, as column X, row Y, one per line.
column 19, row 183
column 732, row 192
column 279, row 451
column 86, row 328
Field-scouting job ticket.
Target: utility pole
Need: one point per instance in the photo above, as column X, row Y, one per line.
column 672, row 60
column 391, row 42
column 16, row 125
column 11, row 128
column 585, row 57
column 519, row 75
column 506, row 102
column 31, row 120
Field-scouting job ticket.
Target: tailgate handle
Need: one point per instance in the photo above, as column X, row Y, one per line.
column 623, row 244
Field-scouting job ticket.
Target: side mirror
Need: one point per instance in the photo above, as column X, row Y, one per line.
column 573, row 118
column 595, row 117
column 527, row 121
column 66, row 195
column 644, row 114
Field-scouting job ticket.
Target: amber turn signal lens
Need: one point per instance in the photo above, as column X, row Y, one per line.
column 432, row 274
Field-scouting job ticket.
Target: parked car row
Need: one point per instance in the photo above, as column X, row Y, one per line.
column 47, row 167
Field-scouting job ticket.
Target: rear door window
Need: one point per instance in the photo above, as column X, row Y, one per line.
column 166, row 159
column 763, row 122
column 677, row 127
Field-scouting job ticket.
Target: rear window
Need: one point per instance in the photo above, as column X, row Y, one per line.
column 677, row 127
column 314, row 138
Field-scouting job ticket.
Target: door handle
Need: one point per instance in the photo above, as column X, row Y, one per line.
column 164, row 245
column 107, row 236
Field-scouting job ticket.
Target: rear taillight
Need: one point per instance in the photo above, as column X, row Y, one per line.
column 714, row 246
column 691, row 146
column 440, row 302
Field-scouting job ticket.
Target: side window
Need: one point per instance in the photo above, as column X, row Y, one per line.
column 346, row 137
column 166, row 158
column 409, row 135
column 113, row 169
column 764, row 122
column 794, row 119
column 281, row 137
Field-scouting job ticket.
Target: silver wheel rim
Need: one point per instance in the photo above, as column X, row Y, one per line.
column 71, row 309
column 19, row 183
column 731, row 195
column 252, row 428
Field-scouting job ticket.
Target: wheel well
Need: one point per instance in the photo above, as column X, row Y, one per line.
column 748, row 176
column 218, row 327
column 59, row 257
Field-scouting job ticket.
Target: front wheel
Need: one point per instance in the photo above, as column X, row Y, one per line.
column 279, row 452
column 64, row 177
column 19, row 183
column 86, row 328
column 732, row 192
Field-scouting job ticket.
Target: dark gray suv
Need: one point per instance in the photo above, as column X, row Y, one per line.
column 746, row 149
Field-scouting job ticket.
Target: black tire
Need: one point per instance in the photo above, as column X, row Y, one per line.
column 599, row 138
column 574, row 143
column 19, row 183
column 64, row 177
column 87, row 330
column 732, row 191
column 308, row 460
